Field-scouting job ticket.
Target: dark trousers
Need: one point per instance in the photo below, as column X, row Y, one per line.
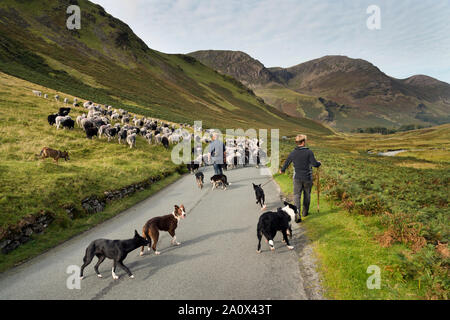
column 304, row 187
column 217, row 168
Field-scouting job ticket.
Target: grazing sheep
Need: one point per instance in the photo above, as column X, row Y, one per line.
column 37, row 93
column 115, row 116
column 52, row 119
column 149, row 137
column 68, row 123
column 122, row 135
column 125, row 120
column 131, row 140
column 91, row 132
column 86, row 123
column 66, row 100
column 79, row 118
column 57, row 98
column 64, row 111
column 45, row 96
column 102, row 128
column 87, row 104
column 60, row 119
column 111, row 132
column 165, row 142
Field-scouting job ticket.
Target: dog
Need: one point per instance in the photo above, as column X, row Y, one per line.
column 219, row 179
column 271, row 222
column 116, row 250
column 260, row 197
column 55, row 154
column 193, row 167
column 199, row 177
column 168, row 223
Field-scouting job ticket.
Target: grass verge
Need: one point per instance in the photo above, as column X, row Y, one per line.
column 56, row 233
column 345, row 247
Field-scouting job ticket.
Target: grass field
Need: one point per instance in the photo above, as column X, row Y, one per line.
column 30, row 185
column 388, row 211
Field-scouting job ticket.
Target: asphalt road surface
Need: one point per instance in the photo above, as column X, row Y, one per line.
column 217, row 258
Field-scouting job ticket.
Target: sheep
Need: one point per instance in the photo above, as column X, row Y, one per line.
column 87, row 104
column 122, row 135
column 60, row 119
column 37, row 93
column 125, row 120
column 66, row 100
column 68, row 123
column 115, row 116
column 91, row 132
column 45, row 96
column 102, row 128
column 131, row 140
column 158, row 138
column 64, row 111
column 52, row 119
column 79, row 118
column 111, row 132
column 86, row 124
column 149, row 137
column 165, row 142
column 57, row 98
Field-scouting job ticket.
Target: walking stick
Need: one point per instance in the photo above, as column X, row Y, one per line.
column 318, row 190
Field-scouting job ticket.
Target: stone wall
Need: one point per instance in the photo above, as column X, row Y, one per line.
column 14, row 236
column 19, row 234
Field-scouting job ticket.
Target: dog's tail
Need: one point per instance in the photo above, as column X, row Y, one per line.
column 146, row 235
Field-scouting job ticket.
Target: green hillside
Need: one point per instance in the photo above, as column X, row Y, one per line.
column 104, row 61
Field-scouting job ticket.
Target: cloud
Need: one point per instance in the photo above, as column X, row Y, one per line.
column 413, row 36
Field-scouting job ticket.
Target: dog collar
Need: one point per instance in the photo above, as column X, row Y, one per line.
column 173, row 213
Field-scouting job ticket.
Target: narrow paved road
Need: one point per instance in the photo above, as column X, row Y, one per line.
column 216, row 260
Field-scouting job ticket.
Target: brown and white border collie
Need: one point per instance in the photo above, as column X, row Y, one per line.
column 168, row 223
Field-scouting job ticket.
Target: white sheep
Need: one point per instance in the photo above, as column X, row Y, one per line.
column 131, row 140
column 79, row 118
column 60, row 119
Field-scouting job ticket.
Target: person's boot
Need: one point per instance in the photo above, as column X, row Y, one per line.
column 298, row 218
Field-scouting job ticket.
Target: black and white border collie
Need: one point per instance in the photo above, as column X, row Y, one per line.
column 219, row 179
column 271, row 222
column 259, row 193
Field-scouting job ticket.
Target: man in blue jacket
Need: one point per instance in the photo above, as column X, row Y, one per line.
column 216, row 154
column 303, row 160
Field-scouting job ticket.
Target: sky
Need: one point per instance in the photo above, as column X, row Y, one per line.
column 413, row 38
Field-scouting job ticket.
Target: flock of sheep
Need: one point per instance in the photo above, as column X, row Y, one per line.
column 118, row 124
column 105, row 121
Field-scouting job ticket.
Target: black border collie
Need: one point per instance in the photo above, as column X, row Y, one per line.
column 117, row 250
column 260, row 197
column 271, row 222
